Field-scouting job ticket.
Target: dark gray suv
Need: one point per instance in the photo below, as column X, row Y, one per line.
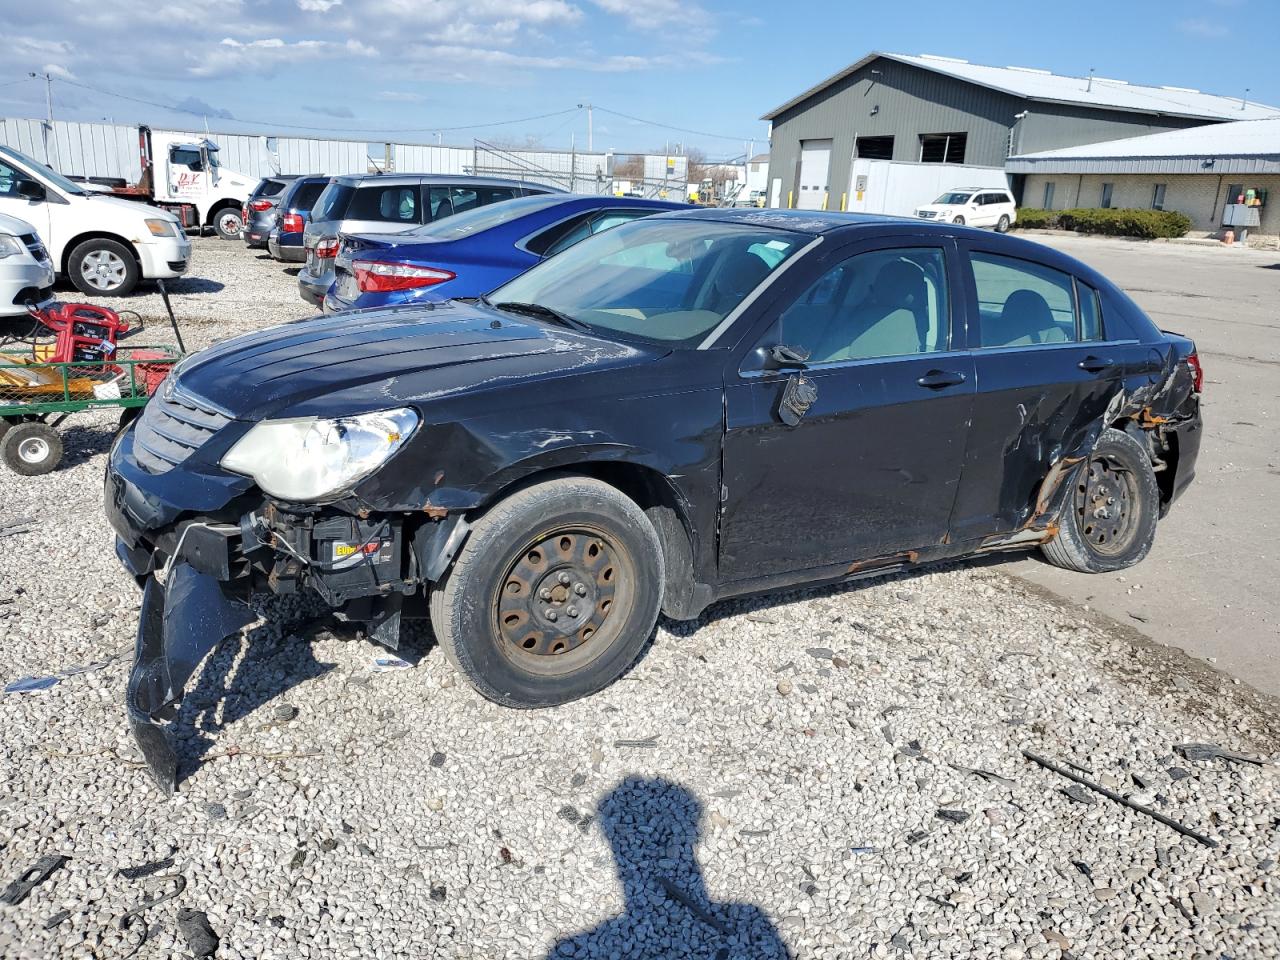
column 391, row 203
column 260, row 209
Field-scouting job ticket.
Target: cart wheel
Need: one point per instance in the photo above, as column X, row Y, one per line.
column 5, row 424
column 31, row 449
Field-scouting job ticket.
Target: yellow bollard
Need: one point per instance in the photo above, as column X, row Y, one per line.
column 844, row 197
column 824, row 200
column 789, row 198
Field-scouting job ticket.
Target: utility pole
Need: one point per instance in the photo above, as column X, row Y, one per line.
column 589, row 124
column 48, row 95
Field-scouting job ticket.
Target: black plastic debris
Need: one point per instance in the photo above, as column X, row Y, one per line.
column 915, row 836
column 1079, row 794
column 437, row 759
column 32, row 877
column 1178, row 773
column 57, row 919
column 568, row 814
column 195, row 929
column 1083, row 867
column 277, row 921
column 144, row 869
column 953, row 816
column 1211, row 751
column 439, row 892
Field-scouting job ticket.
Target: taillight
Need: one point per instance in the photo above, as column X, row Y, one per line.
column 292, row 223
column 1197, row 371
column 327, row 248
column 373, row 276
column 261, row 205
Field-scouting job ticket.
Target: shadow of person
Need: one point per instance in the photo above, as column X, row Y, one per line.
column 653, row 827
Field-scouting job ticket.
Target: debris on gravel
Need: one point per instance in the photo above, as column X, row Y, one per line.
column 693, row 809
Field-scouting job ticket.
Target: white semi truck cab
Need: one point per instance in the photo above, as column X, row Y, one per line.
column 184, row 176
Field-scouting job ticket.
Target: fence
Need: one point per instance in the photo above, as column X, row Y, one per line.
column 112, row 150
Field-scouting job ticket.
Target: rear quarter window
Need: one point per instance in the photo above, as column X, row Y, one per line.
column 390, row 203
column 333, row 201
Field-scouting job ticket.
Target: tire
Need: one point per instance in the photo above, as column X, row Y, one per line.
column 573, row 550
column 103, row 268
column 1116, row 478
column 127, row 416
column 1002, row 226
column 959, row 221
column 5, row 424
column 228, row 223
column 31, row 449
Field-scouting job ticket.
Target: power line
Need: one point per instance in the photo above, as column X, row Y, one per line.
column 300, row 126
column 667, row 126
column 11, row 83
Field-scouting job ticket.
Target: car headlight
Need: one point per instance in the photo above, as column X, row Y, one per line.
column 10, row 247
column 162, row 228
column 312, row 459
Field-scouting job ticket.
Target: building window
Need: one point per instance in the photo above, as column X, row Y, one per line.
column 1235, row 193
column 873, row 148
column 1106, row 195
column 942, row 147
column 1157, row 197
column 1048, row 196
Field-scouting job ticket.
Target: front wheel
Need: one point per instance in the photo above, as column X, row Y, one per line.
column 553, row 596
column 104, row 268
column 228, row 223
column 31, row 448
column 959, row 220
column 1002, row 225
column 1108, row 520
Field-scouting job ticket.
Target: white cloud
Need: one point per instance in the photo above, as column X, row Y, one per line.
column 1202, row 28
column 269, row 53
column 58, row 71
column 654, row 14
column 318, row 6
column 398, row 96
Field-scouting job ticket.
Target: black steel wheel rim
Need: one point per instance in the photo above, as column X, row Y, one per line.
column 564, row 599
column 1107, row 506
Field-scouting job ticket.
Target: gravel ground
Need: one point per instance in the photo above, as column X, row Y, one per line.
column 778, row 779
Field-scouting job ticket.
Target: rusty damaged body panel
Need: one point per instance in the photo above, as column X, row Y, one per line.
column 888, row 464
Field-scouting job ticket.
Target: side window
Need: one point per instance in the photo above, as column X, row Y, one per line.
column 438, row 203
column 1090, row 312
column 1021, row 303
column 396, row 204
column 884, row 303
column 488, row 195
column 463, row 199
column 556, row 238
column 9, row 178
column 185, row 157
column 615, row 218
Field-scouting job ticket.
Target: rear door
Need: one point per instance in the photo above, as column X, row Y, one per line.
column 1045, row 374
column 872, row 467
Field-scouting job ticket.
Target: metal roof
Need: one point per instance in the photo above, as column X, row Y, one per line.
column 1041, row 85
column 1246, row 146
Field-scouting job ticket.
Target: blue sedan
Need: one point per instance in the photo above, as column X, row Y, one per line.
column 471, row 253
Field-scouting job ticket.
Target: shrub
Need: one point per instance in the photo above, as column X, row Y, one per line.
column 1143, row 224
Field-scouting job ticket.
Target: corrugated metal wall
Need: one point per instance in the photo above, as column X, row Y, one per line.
column 1051, row 126
column 421, row 158
column 77, row 149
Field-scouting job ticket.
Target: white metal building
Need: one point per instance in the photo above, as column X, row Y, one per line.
column 1199, row 171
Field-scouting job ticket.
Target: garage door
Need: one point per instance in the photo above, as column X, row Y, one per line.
column 815, row 161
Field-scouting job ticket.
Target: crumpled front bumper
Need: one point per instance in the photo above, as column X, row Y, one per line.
column 182, row 619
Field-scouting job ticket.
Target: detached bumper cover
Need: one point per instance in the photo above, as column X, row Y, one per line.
column 180, row 622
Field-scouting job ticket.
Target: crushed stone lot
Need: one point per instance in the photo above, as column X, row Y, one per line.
column 823, row 774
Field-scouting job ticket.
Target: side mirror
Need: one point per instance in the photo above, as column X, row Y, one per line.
column 778, row 357
column 31, row 190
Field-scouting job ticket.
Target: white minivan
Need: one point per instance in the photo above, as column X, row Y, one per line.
column 975, row 206
column 103, row 244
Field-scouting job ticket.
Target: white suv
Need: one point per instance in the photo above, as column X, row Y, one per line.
column 975, row 206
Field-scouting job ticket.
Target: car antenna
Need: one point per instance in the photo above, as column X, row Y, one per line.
column 173, row 321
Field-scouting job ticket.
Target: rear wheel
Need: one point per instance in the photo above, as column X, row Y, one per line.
column 31, row 448
column 228, row 223
column 553, row 595
column 1002, row 225
column 1108, row 520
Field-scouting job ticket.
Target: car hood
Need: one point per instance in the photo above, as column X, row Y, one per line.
column 375, row 359
column 130, row 209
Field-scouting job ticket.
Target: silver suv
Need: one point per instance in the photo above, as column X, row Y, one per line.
column 390, row 203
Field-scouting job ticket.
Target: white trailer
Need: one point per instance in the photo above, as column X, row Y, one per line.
column 897, row 188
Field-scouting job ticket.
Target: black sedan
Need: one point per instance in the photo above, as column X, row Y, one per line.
column 691, row 406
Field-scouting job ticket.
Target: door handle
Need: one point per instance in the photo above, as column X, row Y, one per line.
column 937, row 379
column 1093, row 364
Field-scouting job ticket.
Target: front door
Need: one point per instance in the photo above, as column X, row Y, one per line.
column 815, row 163
column 34, row 212
column 1045, row 377
column 871, row 468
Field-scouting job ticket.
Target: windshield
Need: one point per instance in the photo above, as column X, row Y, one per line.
column 669, row 281
column 953, row 199
column 482, row 218
column 57, row 179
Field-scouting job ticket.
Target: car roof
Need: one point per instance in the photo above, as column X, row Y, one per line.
column 800, row 221
column 407, row 179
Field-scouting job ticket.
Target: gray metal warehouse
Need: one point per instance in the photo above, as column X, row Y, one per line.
column 941, row 110
column 1208, row 173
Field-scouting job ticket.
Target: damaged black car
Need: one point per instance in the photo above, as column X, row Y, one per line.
column 692, row 406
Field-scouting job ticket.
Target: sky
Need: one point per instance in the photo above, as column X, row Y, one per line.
column 658, row 72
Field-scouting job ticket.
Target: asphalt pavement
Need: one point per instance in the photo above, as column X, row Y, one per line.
column 1211, row 584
